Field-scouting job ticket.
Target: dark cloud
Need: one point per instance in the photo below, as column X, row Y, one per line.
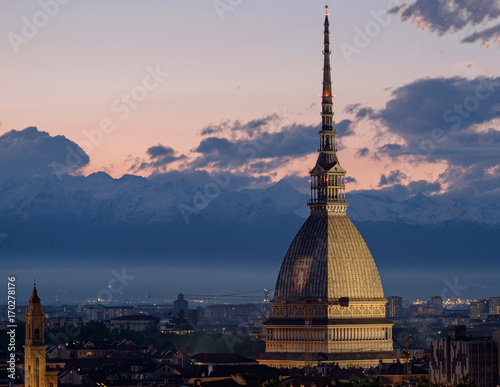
column 30, row 152
column 214, row 145
column 442, row 119
column 159, row 150
column 250, row 152
column 437, row 119
column 474, row 180
column 392, row 150
column 160, row 156
column 257, row 147
column 392, row 178
column 264, row 140
column 268, row 166
column 449, row 16
column 251, row 127
column 449, row 103
column 423, row 186
column 212, row 129
column 344, row 128
column 290, row 141
column 489, row 137
column 362, row 152
column 492, row 33
column 359, row 111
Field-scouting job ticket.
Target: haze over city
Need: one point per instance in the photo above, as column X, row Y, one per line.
column 174, row 141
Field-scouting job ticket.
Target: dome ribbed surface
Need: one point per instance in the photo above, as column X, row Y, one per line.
column 339, row 261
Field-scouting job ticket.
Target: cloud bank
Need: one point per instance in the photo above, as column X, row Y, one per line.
column 30, row 152
column 455, row 120
column 250, row 152
column 451, row 16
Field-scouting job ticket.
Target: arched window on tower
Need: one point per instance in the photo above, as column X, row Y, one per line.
column 37, row 334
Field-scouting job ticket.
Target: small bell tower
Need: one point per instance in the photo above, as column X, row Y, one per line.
column 35, row 374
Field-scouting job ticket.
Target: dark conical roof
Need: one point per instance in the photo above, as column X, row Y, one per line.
column 34, row 297
column 327, row 160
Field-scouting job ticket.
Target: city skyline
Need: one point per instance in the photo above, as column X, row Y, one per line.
column 156, row 161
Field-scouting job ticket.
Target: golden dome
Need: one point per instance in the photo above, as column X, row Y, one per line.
column 328, row 259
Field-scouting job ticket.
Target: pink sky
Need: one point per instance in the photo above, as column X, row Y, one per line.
column 254, row 59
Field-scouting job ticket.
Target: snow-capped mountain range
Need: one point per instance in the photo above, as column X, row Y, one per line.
column 100, row 199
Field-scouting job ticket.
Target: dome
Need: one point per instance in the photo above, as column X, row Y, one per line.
column 328, row 259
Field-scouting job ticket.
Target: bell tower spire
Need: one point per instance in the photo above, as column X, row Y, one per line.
column 327, row 176
column 35, row 373
column 34, row 348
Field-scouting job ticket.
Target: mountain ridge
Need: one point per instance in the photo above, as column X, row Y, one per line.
column 101, row 199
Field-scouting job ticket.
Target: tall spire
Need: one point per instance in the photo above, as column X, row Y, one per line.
column 327, row 177
column 326, row 96
column 327, row 133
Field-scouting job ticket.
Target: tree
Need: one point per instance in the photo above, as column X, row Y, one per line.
column 272, row 383
column 364, row 383
column 180, row 318
column 467, row 381
column 424, row 382
column 94, row 331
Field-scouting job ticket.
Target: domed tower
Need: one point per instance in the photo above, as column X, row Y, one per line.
column 328, row 305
